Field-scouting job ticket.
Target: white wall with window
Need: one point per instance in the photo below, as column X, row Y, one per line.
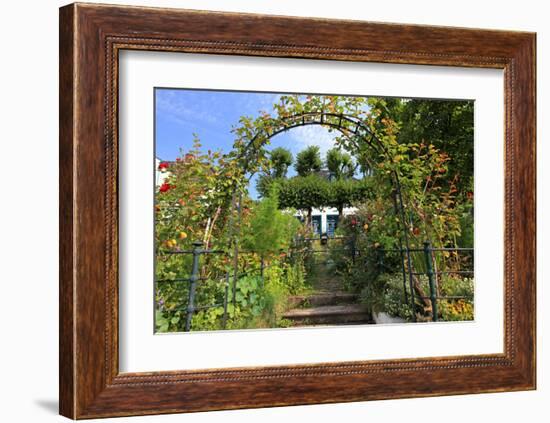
column 325, row 220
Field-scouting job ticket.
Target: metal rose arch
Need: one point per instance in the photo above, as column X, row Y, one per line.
column 356, row 131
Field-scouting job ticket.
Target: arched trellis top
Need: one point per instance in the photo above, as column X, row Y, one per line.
column 350, row 126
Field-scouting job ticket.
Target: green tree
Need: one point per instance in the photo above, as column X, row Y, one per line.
column 446, row 124
column 313, row 191
column 281, row 159
column 449, row 127
column 308, row 161
column 348, row 192
column 339, row 164
column 271, row 230
column 264, row 184
column 304, row 193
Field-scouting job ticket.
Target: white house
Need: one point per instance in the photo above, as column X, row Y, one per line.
column 325, row 220
column 160, row 175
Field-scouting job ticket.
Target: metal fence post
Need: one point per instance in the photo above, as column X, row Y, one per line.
column 404, row 273
column 193, row 284
column 430, row 273
column 225, row 299
column 236, row 254
column 262, row 267
column 379, row 261
column 353, row 246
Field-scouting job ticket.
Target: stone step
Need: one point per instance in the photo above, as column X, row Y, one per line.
column 329, row 315
column 322, row 299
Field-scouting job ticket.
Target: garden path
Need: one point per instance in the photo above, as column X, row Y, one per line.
column 328, row 304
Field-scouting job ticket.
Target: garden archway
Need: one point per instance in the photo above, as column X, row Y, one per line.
column 356, row 131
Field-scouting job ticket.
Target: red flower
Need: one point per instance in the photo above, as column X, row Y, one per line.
column 165, row 187
column 163, row 166
column 353, row 222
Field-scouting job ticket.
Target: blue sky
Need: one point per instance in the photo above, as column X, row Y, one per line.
column 211, row 115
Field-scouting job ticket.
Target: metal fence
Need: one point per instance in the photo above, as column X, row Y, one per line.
column 305, row 245
column 229, row 278
column 428, row 271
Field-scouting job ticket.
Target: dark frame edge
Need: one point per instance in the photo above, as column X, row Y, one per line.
column 526, row 214
column 67, row 340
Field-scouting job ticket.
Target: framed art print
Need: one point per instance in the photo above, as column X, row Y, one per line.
column 261, row 211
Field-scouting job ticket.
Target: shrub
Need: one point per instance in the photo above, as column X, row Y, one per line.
column 457, row 287
column 385, row 294
column 457, row 309
column 271, row 230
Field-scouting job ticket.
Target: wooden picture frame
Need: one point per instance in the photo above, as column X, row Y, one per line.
column 91, row 36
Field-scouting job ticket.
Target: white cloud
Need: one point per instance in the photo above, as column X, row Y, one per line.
column 172, row 106
column 255, row 102
column 267, row 101
column 313, row 135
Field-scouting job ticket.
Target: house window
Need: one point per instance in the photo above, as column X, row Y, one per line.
column 316, row 225
column 332, row 223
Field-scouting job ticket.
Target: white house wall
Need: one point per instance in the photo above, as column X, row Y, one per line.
column 328, row 211
column 159, row 176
